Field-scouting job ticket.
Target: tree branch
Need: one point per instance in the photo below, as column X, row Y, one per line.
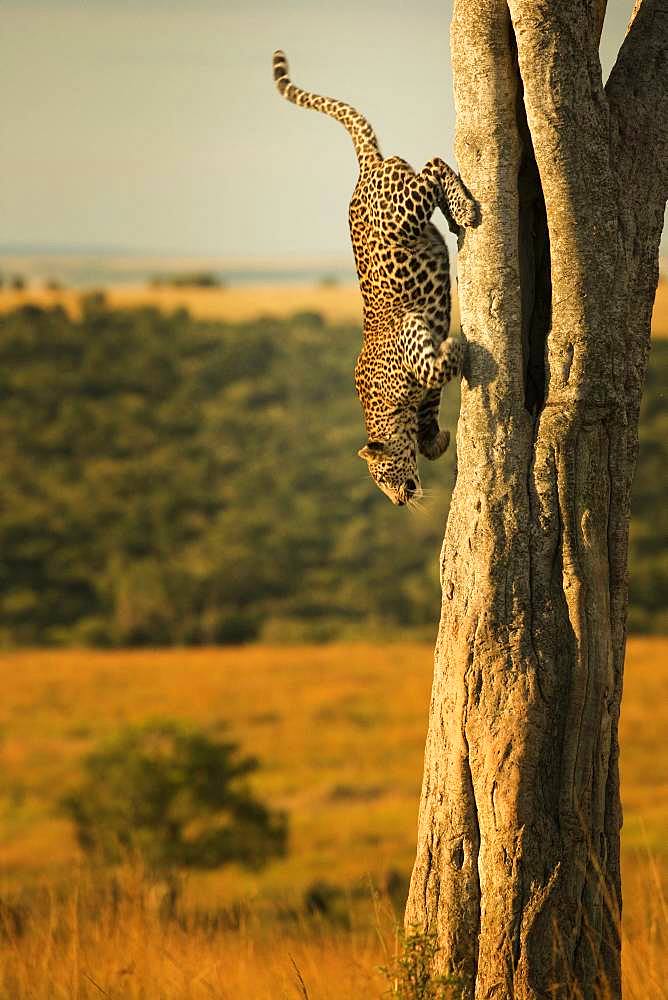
column 636, row 7
column 598, row 17
column 638, row 95
column 567, row 114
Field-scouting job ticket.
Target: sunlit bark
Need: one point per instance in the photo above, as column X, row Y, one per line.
column 517, row 867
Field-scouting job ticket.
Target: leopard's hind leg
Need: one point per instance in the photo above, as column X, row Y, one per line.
column 431, row 367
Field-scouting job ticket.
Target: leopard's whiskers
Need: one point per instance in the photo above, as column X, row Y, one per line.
column 417, row 506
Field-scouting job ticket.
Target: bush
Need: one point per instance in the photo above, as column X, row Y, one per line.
column 327, row 902
column 175, row 482
column 194, row 279
column 172, row 797
column 411, row 975
column 329, row 281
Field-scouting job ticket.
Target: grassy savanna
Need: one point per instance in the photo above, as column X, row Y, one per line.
column 337, row 304
column 340, row 733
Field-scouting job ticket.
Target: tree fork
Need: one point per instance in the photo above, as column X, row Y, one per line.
column 517, row 868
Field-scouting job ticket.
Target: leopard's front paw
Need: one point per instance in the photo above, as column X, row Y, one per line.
column 468, row 214
column 434, row 448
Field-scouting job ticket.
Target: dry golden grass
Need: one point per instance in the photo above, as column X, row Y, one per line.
column 90, row 942
column 340, row 754
column 660, row 314
column 87, row 946
column 340, row 731
column 340, row 303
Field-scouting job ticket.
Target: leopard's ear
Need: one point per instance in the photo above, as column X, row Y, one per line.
column 371, row 450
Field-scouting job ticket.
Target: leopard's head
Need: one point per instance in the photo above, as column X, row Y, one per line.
column 393, row 468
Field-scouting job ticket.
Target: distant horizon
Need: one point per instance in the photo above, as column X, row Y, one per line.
column 93, row 267
column 239, row 262
column 33, row 250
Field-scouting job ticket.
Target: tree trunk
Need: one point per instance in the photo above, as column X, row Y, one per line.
column 517, row 868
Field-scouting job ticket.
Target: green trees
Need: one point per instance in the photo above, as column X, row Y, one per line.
column 170, row 481
column 174, row 798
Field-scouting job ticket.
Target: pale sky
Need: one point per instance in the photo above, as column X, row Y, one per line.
column 154, row 125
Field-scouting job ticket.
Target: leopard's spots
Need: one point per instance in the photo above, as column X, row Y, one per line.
column 404, row 276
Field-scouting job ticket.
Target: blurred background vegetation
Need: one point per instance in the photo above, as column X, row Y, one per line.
column 174, row 481
column 167, row 796
column 181, row 472
column 190, row 479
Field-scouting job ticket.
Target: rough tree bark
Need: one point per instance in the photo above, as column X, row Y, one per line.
column 517, row 867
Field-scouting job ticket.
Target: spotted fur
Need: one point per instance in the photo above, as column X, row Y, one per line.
column 404, row 275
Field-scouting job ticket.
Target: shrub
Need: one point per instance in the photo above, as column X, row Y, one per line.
column 172, row 797
column 194, row 279
column 328, row 902
column 411, row 975
column 329, row 281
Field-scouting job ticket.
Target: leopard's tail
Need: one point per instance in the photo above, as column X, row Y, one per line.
column 363, row 136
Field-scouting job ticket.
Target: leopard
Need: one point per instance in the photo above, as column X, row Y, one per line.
column 403, row 268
